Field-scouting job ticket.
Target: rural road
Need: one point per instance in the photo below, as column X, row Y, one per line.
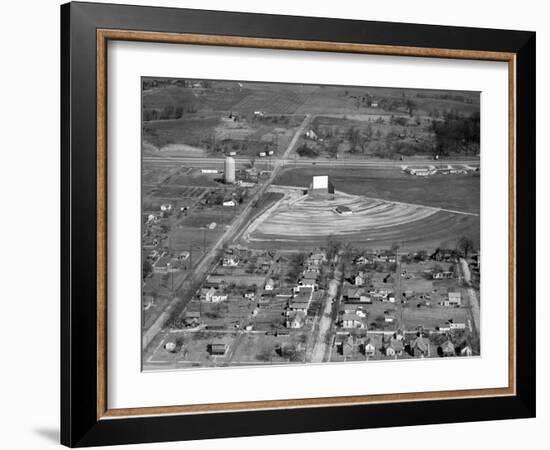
column 474, row 301
column 285, row 161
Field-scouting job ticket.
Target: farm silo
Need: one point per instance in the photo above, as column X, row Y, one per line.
column 229, row 170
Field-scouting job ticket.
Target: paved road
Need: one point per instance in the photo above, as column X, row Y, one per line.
column 285, row 161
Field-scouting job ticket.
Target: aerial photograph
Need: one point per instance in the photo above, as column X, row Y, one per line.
column 291, row 224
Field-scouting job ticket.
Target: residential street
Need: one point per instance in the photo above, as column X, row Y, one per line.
column 474, row 300
column 325, row 324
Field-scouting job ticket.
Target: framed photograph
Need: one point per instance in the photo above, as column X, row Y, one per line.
column 276, row 224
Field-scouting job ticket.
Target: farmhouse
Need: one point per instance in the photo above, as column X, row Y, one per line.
column 166, row 207
column 229, row 203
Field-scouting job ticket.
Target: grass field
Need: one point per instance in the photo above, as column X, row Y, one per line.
column 442, row 191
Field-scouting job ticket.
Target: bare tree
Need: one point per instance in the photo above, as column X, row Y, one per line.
column 466, row 245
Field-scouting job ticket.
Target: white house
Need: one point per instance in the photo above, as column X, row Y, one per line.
column 166, row 207
column 352, row 321
column 213, row 296
column 229, row 203
column 453, row 299
column 310, row 134
column 230, row 261
column 269, row 285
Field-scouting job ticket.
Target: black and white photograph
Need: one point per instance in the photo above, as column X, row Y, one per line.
column 302, row 223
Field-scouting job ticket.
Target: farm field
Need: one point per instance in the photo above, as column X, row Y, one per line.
column 216, row 135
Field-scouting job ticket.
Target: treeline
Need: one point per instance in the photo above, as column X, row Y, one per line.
column 454, row 97
column 167, row 113
column 457, row 133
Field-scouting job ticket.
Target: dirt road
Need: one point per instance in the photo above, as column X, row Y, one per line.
column 325, row 324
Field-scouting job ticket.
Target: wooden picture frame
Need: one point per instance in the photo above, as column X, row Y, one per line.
column 86, row 418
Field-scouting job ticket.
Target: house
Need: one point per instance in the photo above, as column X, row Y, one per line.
column 466, row 350
column 306, row 283
column 441, row 254
column 218, row 347
column 344, row 345
column 164, row 265
column 229, row 203
column 166, row 207
column 442, row 275
column 453, row 299
column 389, row 318
column 369, row 348
column 352, row 321
column 420, row 347
column 354, row 308
column 394, row 347
column 230, row 261
column 310, row 134
column 192, row 318
column 212, row 295
column 183, row 256
column 312, row 274
column 353, row 294
column 301, row 301
column 361, row 260
column 360, row 279
column 249, row 295
column 269, row 285
column 316, row 259
column 296, row 319
column 448, row 349
column 170, row 346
